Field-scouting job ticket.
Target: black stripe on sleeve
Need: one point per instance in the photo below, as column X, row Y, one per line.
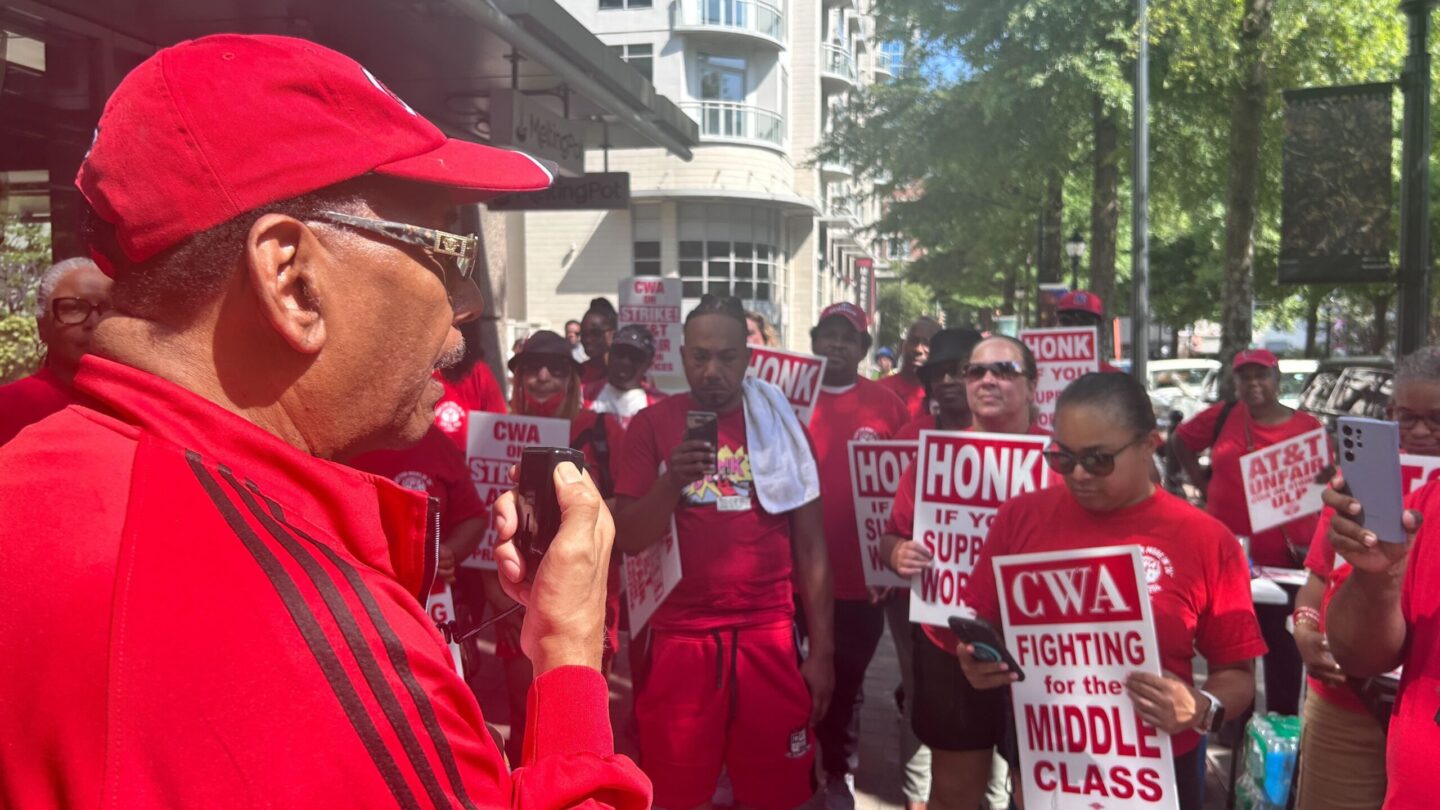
column 312, row 633
column 354, row 638
column 394, row 649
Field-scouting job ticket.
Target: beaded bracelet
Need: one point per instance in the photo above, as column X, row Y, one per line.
column 1306, row 614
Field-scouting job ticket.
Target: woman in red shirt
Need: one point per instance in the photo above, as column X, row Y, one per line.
column 960, row 725
column 1230, row 431
column 1104, row 447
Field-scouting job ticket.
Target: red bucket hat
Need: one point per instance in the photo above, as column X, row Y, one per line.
column 210, row 128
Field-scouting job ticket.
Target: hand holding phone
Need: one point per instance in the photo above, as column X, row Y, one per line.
column 703, row 426
column 536, row 508
column 989, row 648
column 1370, row 459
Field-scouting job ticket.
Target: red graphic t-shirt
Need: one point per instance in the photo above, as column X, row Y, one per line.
column 477, row 392
column 734, row 556
column 1194, row 569
column 864, row 411
column 910, row 392
column 432, row 466
column 1239, row 436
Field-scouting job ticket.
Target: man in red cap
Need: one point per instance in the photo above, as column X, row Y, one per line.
column 850, row 408
column 72, row 298
column 228, row 617
column 1082, row 308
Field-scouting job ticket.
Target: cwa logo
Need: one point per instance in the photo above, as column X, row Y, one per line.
column 412, row 479
column 1157, row 567
column 449, row 416
column 1099, row 590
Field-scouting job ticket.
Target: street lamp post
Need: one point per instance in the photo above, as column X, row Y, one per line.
column 1075, row 248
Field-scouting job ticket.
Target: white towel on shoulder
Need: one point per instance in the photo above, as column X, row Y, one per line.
column 781, row 463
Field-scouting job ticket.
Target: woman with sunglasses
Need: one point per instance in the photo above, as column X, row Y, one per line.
column 961, row 726
column 1103, row 447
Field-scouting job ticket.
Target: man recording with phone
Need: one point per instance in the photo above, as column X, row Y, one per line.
column 724, row 688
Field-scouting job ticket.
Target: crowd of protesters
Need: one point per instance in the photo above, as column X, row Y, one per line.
column 228, row 484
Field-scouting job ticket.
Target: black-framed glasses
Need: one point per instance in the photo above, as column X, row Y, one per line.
column 559, row 367
column 1096, row 462
column 452, row 251
column 75, row 311
column 1409, row 419
column 1002, row 369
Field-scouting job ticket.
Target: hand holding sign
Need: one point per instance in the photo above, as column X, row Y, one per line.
column 1164, row 701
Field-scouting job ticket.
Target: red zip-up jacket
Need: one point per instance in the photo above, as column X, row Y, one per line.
column 193, row 613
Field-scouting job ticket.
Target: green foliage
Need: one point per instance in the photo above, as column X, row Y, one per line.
column 24, row 256
column 900, row 303
column 998, row 95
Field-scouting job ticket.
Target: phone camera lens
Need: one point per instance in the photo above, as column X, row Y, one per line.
column 1349, row 445
column 1346, row 429
column 1349, row 456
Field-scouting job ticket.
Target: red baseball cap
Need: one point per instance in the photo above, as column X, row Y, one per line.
column 211, row 128
column 855, row 315
column 1257, row 357
column 1081, row 301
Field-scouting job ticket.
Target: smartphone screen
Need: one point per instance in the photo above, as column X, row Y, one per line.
column 987, row 643
column 537, row 509
column 1370, row 458
column 703, row 426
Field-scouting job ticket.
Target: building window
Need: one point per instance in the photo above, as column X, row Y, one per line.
column 647, row 258
column 611, row 5
column 722, row 78
column 640, row 57
column 743, row 269
column 896, row 248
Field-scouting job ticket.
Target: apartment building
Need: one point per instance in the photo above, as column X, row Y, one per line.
column 750, row 214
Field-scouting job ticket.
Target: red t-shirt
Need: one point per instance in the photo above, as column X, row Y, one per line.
column 1198, row 580
column 862, row 412
column 1323, row 563
column 30, row 399
column 477, row 392
column 910, row 392
column 902, row 518
column 1226, row 499
column 614, row 434
column 735, row 564
column 910, row 431
column 432, row 466
column 1413, row 745
column 592, row 371
column 600, row 397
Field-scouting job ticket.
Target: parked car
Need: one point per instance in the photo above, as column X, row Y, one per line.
column 1179, row 385
column 1349, row 386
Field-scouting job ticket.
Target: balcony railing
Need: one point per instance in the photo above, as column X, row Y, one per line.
column 837, row 61
column 736, row 122
column 740, row 16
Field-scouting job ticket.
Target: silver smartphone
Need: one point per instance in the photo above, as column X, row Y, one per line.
column 1370, row 458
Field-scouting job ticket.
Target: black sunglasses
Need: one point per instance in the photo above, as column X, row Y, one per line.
column 1095, row 462
column 75, row 311
column 559, row 367
column 451, row 251
column 1002, row 369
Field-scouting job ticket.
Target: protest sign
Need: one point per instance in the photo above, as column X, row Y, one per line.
column 650, row 576
column 796, row 375
column 654, row 303
column 1417, row 471
column 875, row 470
column 1078, row 623
column 960, row 482
column 1280, row 480
column 496, row 441
column 1061, row 357
column 442, row 609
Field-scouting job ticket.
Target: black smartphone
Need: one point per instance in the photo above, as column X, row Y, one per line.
column 536, row 508
column 987, row 643
column 703, row 426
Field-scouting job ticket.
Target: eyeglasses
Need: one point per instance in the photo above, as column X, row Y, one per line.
column 936, row 372
column 1409, row 420
column 1002, row 369
column 75, row 311
column 459, row 252
column 1095, row 462
column 559, row 367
